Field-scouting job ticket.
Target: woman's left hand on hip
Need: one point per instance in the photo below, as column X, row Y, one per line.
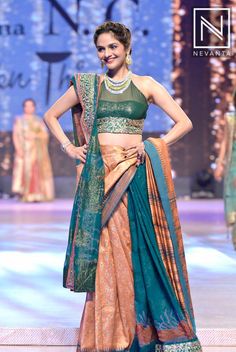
column 139, row 150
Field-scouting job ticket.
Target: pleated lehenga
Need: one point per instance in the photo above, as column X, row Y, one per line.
column 125, row 246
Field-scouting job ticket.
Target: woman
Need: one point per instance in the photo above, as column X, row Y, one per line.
column 226, row 164
column 32, row 171
column 125, row 247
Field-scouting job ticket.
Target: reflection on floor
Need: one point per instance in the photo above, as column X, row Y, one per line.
column 33, row 239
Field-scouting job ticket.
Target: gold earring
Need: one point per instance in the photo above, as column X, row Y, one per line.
column 102, row 63
column 128, row 59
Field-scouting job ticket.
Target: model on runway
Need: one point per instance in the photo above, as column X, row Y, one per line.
column 125, row 245
column 32, row 171
column 226, row 165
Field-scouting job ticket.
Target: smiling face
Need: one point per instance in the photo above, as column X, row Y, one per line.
column 111, row 51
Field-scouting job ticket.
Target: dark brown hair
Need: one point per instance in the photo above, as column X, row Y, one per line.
column 29, row 99
column 120, row 31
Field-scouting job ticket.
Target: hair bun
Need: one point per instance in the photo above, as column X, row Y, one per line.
column 120, row 31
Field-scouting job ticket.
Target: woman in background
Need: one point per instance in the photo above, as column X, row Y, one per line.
column 226, row 165
column 32, row 171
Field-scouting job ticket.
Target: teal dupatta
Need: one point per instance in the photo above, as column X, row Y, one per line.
column 85, row 225
column 163, row 324
column 156, row 305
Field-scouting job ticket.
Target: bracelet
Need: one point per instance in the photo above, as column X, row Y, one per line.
column 65, row 145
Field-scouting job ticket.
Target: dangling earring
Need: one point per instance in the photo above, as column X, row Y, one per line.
column 128, row 59
column 102, row 63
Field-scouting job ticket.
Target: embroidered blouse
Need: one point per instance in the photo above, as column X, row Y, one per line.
column 121, row 113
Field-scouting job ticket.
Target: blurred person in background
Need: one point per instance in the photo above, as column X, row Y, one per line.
column 32, row 177
column 226, row 166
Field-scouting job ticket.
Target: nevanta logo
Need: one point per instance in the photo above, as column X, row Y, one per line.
column 211, row 23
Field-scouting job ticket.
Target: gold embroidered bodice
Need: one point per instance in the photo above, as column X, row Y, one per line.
column 121, row 113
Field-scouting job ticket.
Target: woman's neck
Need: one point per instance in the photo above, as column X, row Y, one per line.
column 118, row 74
column 28, row 116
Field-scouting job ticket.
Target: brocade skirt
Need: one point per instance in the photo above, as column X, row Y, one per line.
column 142, row 300
column 108, row 320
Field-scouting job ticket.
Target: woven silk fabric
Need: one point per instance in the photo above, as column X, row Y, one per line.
column 125, row 248
column 108, row 320
column 121, row 113
column 162, row 299
column 134, row 306
column 120, row 125
column 84, row 233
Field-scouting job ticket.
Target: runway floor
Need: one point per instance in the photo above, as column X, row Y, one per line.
column 33, row 239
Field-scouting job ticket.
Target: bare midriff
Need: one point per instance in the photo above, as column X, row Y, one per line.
column 124, row 140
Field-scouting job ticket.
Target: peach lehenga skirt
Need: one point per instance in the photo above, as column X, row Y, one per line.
column 108, row 320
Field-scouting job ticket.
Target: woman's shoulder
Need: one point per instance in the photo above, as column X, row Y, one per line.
column 141, row 78
column 149, row 81
column 18, row 119
column 150, row 85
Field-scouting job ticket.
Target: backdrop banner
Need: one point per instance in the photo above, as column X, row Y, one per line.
column 43, row 42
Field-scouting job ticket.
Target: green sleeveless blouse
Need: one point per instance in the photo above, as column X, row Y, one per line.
column 121, row 113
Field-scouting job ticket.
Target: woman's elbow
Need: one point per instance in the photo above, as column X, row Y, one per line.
column 47, row 118
column 188, row 125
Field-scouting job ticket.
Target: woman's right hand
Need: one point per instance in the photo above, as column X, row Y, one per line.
column 218, row 173
column 77, row 152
